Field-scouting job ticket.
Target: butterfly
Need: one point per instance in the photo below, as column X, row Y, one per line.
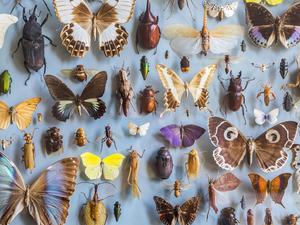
column 265, row 29
column 182, row 136
column 261, row 117
column 184, row 214
column 270, row 2
column 138, row 130
column 66, row 100
column 176, row 87
column 6, row 20
column 20, row 114
column 275, row 188
column 232, row 145
column 81, row 24
column 47, row 199
column 222, row 11
column 95, row 166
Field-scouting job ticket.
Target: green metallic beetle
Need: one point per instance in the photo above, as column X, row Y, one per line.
column 5, row 82
column 144, row 67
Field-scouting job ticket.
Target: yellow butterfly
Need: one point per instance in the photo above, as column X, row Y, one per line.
column 270, row 2
column 20, row 114
column 95, row 166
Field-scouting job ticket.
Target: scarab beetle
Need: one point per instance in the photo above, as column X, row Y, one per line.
column 164, row 163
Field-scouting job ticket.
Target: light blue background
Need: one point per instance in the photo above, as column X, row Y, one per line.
column 134, row 211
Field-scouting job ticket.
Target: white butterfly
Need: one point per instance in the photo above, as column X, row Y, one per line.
column 138, row 130
column 261, row 117
column 6, row 20
column 222, row 11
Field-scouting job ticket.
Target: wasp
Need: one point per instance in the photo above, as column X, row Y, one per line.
column 269, row 95
column 108, row 138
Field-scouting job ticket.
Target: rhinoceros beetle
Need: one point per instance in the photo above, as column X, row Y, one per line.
column 33, row 44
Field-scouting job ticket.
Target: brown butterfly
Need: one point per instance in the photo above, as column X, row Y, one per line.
column 184, row 214
column 233, row 146
column 275, row 188
column 265, row 29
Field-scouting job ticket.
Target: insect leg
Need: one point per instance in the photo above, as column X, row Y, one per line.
column 243, row 111
column 259, row 94
column 102, row 142
column 45, row 20
column 248, row 81
column 187, row 4
column 113, row 140
column 29, row 73
column 50, row 41
column 18, row 46
column 221, row 82
column 24, row 16
column 136, row 43
column 45, row 66
column 47, row 7
column 273, row 95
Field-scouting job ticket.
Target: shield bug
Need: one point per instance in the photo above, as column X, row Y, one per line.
column 108, row 138
column 148, row 32
column 284, row 68
column 269, row 95
column 228, row 217
column 33, row 44
column 243, row 46
column 29, row 151
column 288, row 102
column 144, row 67
column 53, row 140
column 148, row 100
column 80, row 137
column 192, row 165
column 291, row 219
column 185, row 64
column 5, row 82
column 250, row 217
column 117, row 210
column 164, row 163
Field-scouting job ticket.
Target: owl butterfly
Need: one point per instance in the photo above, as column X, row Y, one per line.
column 184, row 214
column 222, row 11
column 82, row 24
column 176, row 87
column 233, row 146
column 6, row 20
column 275, row 188
column 269, row 2
column 66, row 100
column 265, row 29
column 47, row 199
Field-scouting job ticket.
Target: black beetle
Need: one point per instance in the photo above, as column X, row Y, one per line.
column 288, row 102
column 33, row 44
column 284, row 68
column 164, row 163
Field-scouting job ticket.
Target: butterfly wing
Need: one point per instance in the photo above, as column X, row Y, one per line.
column 92, row 164
column 270, row 145
column 4, row 115
column 132, row 128
column 273, row 116
column 172, row 134
column 111, row 166
column 260, row 186
column 189, row 211
column 261, row 25
column 65, row 98
column 50, row 193
column 230, row 9
column 230, row 143
column 260, row 117
column 227, row 182
column 278, row 186
column 190, row 133
column 143, row 129
column 198, row 86
column 23, row 112
column 289, row 31
column 90, row 97
column 165, row 211
column 6, row 20
column 274, row 2
column 213, row 10
column 253, row 1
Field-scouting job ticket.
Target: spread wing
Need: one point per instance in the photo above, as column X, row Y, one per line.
column 260, row 186
column 199, row 85
column 172, row 134
column 4, row 115
column 165, row 211
column 260, row 116
column 230, row 143
column 6, row 20
column 270, row 145
column 92, row 164
column 278, row 186
column 226, row 182
column 143, row 129
column 190, row 133
column 111, row 166
column 230, row 9
column 50, row 193
column 213, row 10
column 189, row 211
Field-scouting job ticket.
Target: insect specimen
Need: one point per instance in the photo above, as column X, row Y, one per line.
column 228, row 217
column 148, row 100
column 5, row 82
column 268, row 217
column 243, row 203
column 5, row 143
column 39, row 117
column 164, row 163
column 264, row 29
column 46, row 207
column 80, row 73
column 269, row 95
column 178, row 187
column 221, row 11
column 263, row 67
column 166, row 54
column 29, row 151
column 181, row 4
column 182, row 136
column 283, row 68
column 184, row 214
column 125, row 91
column 176, row 87
column 81, row 24
column 138, row 130
column 108, row 138
column 288, row 102
column 66, row 100
column 243, row 46
column 53, row 140
column 95, row 167
column 269, row 2
column 132, row 178
column 18, row 2
column 261, row 117
column 80, row 137
column 185, row 64
column 148, row 32
column 228, row 60
column 192, row 165
column 33, row 44
column 6, row 21
column 189, row 41
column 250, row 217
column 20, row 114
column 144, row 67
column 233, row 146
column 296, row 164
column 275, row 188
column 117, row 210
column 291, row 220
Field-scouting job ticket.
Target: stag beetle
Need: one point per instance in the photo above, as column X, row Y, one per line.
column 33, row 44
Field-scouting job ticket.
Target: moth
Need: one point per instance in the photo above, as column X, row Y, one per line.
column 6, row 20
column 184, row 214
column 192, row 165
column 275, row 188
column 261, row 117
column 269, row 2
column 265, row 30
column 232, row 146
column 81, row 25
column 176, row 87
column 222, row 11
column 67, row 101
column 79, row 73
column 47, row 199
column 138, row 130
column 263, row 67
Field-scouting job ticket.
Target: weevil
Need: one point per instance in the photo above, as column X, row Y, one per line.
column 5, row 82
column 269, row 95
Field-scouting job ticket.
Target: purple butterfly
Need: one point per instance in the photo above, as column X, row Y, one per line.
column 182, row 136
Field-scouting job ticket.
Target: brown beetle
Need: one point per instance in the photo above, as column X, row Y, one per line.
column 148, row 32
column 291, row 220
column 269, row 95
column 148, row 100
column 268, row 217
column 185, row 64
column 29, row 151
column 80, row 137
column 53, row 140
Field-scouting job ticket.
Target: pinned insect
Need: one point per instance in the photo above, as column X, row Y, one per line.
column 29, row 151
column 80, row 73
column 5, row 143
column 148, row 100
column 108, row 138
column 53, row 140
column 221, row 11
column 132, row 178
column 125, row 91
column 39, row 117
column 228, row 217
column 243, row 46
column 268, row 217
column 296, row 164
column 228, row 60
column 250, row 217
column 297, row 83
column 263, row 67
column 5, row 82
column 284, row 68
column 178, row 187
column 235, row 99
column 288, row 102
column 269, row 95
column 33, row 44
column 140, row 130
column 166, row 54
column 291, row 219
column 144, row 67
column 164, row 163
column 243, row 203
column 192, row 165
column 80, row 137
column 117, row 210
column 185, row 64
